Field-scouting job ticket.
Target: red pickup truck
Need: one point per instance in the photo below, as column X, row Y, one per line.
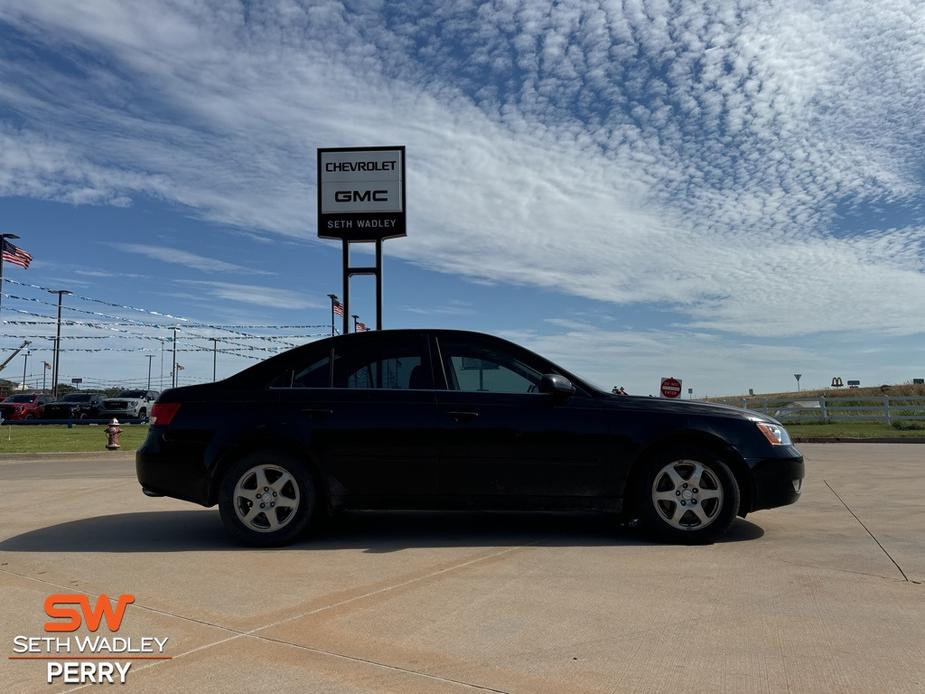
column 23, row 406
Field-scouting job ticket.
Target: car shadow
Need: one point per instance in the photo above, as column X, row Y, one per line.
column 375, row 532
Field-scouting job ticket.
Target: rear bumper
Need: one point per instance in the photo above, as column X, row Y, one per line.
column 166, row 468
column 778, row 481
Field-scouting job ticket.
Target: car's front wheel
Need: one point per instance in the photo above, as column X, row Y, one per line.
column 688, row 496
column 266, row 499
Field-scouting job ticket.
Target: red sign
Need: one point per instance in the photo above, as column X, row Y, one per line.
column 671, row 388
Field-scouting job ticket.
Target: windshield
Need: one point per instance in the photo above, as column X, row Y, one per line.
column 20, row 398
column 75, row 397
column 131, row 394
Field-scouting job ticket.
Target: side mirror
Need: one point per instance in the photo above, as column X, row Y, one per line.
column 556, row 385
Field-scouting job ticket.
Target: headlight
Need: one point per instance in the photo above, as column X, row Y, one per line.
column 774, row 433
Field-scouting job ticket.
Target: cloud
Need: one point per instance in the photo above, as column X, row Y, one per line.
column 178, row 257
column 257, row 295
column 701, row 157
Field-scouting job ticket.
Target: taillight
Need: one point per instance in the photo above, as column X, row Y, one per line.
column 162, row 413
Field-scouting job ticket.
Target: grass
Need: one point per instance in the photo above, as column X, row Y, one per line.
column 57, row 438
column 54, row 438
column 852, row 430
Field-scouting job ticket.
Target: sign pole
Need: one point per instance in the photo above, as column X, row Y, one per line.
column 379, row 284
column 346, row 271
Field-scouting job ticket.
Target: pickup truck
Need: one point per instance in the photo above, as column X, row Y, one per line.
column 75, row 406
column 129, row 404
column 23, row 406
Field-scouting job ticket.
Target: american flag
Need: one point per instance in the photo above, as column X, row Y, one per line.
column 47, row 365
column 361, row 327
column 17, row 256
column 180, row 367
column 338, row 308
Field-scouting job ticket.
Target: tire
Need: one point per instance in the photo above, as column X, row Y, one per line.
column 287, row 484
column 142, row 414
column 688, row 496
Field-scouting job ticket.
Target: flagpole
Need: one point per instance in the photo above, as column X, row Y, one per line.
column 333, row 298
column 3, row 238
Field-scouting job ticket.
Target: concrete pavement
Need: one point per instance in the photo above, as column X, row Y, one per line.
column 820, row 596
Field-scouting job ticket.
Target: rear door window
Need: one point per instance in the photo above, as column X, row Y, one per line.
column 395, row 362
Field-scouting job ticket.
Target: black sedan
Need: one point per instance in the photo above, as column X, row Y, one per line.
column 442, row 419
column 75, row 406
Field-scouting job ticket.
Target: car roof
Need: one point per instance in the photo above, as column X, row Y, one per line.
column 374, row 334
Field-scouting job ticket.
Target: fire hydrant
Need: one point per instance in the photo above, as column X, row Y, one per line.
column 112, row 433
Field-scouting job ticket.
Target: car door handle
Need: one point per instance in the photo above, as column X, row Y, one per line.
column 317, row 413
column 463, row 416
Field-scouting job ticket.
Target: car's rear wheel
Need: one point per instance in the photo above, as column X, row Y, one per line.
column 266, row 499
column 688, row 496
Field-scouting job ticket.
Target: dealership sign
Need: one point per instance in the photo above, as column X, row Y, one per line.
column 361, row 193
column 671, row 387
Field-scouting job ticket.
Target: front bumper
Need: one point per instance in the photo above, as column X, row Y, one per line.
column 118, row 414
column 777, row 481
column 60, row 413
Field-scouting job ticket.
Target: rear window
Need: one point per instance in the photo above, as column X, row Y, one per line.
column 315, row 374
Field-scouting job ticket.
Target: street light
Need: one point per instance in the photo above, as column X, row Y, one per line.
column 149, row 357
column 25, row 360
column 56, row 362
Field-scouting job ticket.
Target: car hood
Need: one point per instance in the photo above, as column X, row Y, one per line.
column 686, row 407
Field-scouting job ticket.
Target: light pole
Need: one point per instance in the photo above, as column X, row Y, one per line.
column 356, row 318
column 45, row 367
column 173, row 371
column 334, row 302
column 797, row 376
column 149, row 357
column 25, row 360
column 214, row 356
column 56, row 361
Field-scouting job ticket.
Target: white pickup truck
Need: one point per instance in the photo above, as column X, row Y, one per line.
column 129, row 404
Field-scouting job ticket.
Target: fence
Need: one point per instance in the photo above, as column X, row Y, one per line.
column 884, row 409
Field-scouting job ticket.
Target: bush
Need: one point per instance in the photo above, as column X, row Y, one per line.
column 901, row 425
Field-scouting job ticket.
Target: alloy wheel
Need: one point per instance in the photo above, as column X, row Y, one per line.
column 266, row 498
column 687, row 495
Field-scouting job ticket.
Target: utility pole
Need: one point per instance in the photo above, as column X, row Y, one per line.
column 149, row 357
column 57, row 360
column 25, row 360
column 214, row 356
column 173, row 371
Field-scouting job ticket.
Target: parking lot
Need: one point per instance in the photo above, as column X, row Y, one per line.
column 823, row 596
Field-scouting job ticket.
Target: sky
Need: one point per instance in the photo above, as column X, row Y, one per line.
column 727, row 193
